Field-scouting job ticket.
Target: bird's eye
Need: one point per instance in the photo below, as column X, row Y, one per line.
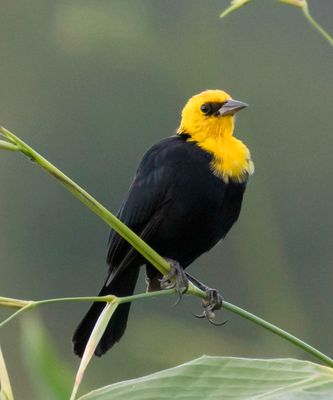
column 205, row 108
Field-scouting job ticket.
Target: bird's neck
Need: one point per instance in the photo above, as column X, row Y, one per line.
column 231, row 158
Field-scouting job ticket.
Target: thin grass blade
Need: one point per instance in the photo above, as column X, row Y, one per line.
column 93, row 341
column 6, row 389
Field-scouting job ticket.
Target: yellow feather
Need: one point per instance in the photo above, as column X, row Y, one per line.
column 231, row 157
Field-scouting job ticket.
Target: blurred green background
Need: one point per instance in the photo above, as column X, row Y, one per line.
column 91, row 85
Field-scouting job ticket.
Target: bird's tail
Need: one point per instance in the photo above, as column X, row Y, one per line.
column 122, row 285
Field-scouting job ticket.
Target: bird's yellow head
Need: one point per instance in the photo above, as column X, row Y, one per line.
column 209, row 113
column 208, row 119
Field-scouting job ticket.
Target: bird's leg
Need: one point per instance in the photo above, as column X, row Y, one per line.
column 214, row 301
column 176, row 278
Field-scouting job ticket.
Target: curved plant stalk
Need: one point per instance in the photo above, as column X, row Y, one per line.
column 30, row 305
column 139, row 245
column 280, row 332
column 314, row 23
column 226, row 306
column 25, row 305
column 302, row 4
column 6, row 389
column 14, row 303
column 8, row 146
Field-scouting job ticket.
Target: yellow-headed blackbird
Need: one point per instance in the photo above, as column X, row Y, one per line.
column 186, row 195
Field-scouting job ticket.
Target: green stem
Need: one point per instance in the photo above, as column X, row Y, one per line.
column 300, row 4
column 226, row 305
column 314, row 23
column 6, row 302
column 147, row 295
column 8, row 146
column 14, row 303
column 143, row 248
column 18, row 312
column 279, row 332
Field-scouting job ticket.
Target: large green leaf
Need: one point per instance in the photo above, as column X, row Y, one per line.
column 223, row 378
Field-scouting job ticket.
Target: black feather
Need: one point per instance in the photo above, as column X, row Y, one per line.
column 179, row 207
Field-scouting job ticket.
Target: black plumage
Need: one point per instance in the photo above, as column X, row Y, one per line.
column 180, row 208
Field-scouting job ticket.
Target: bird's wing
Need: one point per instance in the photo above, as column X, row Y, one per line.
column 147, row 199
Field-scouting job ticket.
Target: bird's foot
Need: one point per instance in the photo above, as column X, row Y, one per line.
column 176, row 278
column 214, row 302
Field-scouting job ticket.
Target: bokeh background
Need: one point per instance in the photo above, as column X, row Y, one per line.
column 91, row 85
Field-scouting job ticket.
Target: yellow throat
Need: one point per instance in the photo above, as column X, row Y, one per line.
column 214, row 134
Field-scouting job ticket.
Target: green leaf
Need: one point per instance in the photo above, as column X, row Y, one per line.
column 216, row 378
column 50, row 376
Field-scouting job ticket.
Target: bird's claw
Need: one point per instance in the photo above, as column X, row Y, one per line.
column 210, row 317
column 176, row 278
column 214, row 302
column 203, row 315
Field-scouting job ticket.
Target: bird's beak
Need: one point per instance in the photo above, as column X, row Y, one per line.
column 231, row 107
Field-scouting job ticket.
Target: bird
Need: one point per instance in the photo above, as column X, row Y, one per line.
column 186, row 195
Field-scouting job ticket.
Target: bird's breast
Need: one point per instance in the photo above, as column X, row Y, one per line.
column 231, row 159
